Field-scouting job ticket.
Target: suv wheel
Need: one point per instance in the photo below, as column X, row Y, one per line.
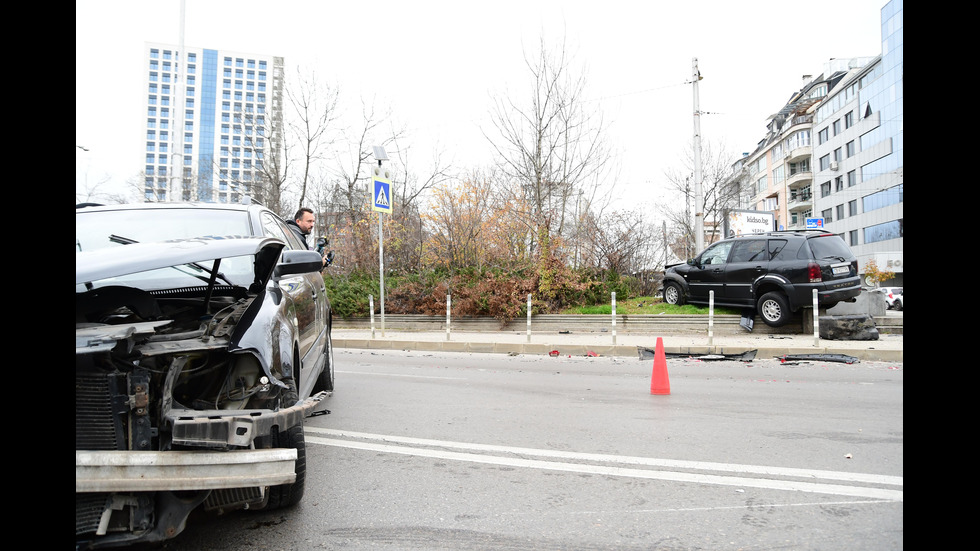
column 673, row 294
column 774, row 309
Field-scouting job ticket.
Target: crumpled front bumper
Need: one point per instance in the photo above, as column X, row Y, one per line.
column 210, row 468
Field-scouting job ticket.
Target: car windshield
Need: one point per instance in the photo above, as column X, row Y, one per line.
column 829, row 246
column 100, row 229
column 236, row 270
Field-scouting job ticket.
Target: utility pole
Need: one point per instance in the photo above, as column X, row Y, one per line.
column 698, row 193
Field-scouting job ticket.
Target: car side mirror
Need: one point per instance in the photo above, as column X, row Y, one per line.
column 298, row 262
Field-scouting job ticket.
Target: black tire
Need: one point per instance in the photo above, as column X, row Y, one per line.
column 287, row 495
column 898, row 304
column 324, row 382
column 673, row 294
column 773, row 308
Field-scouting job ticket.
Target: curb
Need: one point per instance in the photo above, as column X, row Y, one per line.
column 767, row 352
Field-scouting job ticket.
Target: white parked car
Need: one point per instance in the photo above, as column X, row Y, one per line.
column 891, row 293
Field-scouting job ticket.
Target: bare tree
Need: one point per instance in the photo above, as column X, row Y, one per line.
column 299, row 142
column 720, row 195
column 553, row 144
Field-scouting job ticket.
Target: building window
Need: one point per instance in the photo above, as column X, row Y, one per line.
column 850, row 148
column 828, row 215
column 839, row 183
column 836, row 127
column 883, row 232
column 849, row 119
column 838, row 155
column 840, row 212
column 824, row 189
column 853, row 237
column 851, row 178
column 852, row 207
column 823, row 135
column 825, row 162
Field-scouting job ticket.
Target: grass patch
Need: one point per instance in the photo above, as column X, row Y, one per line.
column 648, row 305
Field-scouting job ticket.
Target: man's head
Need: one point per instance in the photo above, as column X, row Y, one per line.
column 304, row 219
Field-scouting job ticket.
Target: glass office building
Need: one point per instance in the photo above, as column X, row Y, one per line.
column 859, row 129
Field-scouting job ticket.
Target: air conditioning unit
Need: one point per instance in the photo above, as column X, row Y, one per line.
column 833, row 165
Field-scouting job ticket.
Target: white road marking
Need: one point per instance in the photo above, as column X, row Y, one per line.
column 698, row 478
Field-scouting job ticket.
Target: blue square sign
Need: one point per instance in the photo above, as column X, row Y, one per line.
column 381, row 196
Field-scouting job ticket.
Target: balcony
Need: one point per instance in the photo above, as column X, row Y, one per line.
column 799, row 179
column 797, row 153
column 800, row 202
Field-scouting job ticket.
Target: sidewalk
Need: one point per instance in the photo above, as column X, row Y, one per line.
column 888, row 348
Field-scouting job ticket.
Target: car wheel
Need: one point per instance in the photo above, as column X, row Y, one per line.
column 898, row 305
column 774, row 309
column 673, row 294
column 325, row 381
column 286, row 495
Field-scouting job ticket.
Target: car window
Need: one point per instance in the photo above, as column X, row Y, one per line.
column 275, row 227
column 750, row 250
column 829, row 246
column 776, row 247
column 717, row 253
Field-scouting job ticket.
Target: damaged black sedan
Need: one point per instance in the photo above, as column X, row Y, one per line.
column 197, row 361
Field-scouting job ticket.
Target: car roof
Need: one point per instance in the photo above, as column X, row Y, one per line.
column 94, row 207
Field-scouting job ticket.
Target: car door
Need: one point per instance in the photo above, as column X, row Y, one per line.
column 708, row 272
column 308, row 293
column 748, row 261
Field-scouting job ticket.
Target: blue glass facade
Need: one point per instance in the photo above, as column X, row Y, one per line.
column 885, row 95
column 208, row 84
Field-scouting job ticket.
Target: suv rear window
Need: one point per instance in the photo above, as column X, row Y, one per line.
column 829, row 246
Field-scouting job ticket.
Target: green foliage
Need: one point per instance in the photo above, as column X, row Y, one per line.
column 497, row 293
column 349, row 293
column 646, row 305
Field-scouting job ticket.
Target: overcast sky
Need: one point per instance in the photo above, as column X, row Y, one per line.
column 437, row 65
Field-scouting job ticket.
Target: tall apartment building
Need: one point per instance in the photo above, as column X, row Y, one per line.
column 211, row 122
column 835, row 151
column 859, row 153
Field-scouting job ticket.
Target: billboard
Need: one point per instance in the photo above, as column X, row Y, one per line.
column 747, row 222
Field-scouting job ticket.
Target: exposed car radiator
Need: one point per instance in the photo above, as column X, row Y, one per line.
column 98, row 413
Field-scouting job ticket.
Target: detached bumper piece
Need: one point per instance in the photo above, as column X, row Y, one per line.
column 124, row 471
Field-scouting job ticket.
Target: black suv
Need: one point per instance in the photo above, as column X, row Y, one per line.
column 775, row 273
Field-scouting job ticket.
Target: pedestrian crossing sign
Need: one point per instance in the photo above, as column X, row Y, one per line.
column 381, row 196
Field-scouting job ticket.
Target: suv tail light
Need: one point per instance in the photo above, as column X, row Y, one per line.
column 813, row 270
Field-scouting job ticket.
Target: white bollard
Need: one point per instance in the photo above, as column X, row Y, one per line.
column 529, row 317
column 448, row 309
column 711, row 317
column 816, row 321
column 371, row 307
column 614, row 318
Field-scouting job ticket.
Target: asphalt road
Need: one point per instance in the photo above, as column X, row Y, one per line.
column 476, row 451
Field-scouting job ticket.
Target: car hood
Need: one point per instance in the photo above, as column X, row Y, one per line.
column 139, row 257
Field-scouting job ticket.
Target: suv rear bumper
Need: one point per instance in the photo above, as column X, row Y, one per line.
column 827, row 293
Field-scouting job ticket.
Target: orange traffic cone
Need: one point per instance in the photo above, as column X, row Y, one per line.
column 660, row 383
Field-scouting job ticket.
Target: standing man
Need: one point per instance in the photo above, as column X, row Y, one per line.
column 302, row 225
